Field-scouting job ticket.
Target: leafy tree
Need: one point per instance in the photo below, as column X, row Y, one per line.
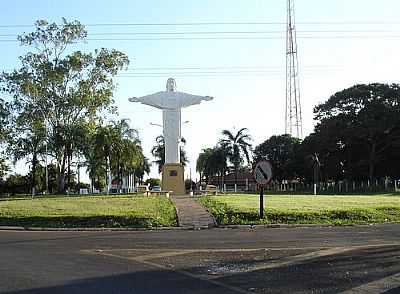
column 115, row 148
column 4, row 119
column 3, row 168
column 97, row 154
column 142, row 169
column 4, row 131
column 153, row 182
column 363, row 122
column 158, row 151
column 16, row 184
column 281, row 152
column 62, row 87
column 211, row 162
column 28, row 143
column 237, row 147
column 126, row 150
column 201, row 163
column 41, row 177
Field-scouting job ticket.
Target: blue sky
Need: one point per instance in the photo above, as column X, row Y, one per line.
column 341, row 43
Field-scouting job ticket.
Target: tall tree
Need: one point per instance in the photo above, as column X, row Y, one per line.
column 62, row 86
column 126, row 153
column 27, row 142
column 158, row 151
column 114, row 148
column 144, row 167
column 366, row 117
column 237, row 147
column 281, row 152
column 4, row 131
column 211, row 162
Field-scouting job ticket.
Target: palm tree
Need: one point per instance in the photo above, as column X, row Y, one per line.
column 218, row 165
column 144, row 167
column 211, row 162
column 30, row 146
column 113, row 148
column 203, row 162
column 237, row 147
column 126, row 151
column 158, row 151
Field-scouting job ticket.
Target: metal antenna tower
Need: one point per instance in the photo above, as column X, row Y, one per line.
column 293, row 116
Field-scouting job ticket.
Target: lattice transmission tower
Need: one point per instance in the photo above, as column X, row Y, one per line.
column 293, row 115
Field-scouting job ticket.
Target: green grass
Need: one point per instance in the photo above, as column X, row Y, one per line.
column 303, row 209
column 87, row 211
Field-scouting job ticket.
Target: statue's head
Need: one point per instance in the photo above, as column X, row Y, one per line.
column 171, row 85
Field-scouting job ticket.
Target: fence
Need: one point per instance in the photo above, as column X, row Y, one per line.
column 329, row 187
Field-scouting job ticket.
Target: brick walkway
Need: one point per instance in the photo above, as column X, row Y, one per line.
column 191, row 213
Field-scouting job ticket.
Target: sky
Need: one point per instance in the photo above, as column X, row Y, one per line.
column 340, row 43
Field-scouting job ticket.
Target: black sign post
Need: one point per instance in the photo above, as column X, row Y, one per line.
column 263, row 175
column 262, row 202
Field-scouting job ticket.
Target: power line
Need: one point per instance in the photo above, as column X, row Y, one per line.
column 227, row 32
column 209, row 74
column 383, row 37
column 155, row 24
column 225, row 67
column 220, row 69
column 372, row 22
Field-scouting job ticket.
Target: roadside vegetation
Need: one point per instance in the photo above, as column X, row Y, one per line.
column 88, row 211
column 304, row 209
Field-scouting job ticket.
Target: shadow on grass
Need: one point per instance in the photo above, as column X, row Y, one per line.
column 80, row 222
column 61, row 196
column 310, row 193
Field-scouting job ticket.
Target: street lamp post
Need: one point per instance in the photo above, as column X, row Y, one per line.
column 317, row 165
column 79, row 175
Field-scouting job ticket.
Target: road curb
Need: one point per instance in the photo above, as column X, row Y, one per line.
column 16, row 228
column 290, row 226
column 183, row 228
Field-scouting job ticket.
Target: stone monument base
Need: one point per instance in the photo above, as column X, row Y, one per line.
column 172, row 178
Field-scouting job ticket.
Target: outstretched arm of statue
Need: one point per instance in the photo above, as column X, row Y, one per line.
column 185, row 100
column 155, row 100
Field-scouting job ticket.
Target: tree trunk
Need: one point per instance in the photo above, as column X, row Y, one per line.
column 61, row 178
column 108, row 175
column 236, row 175
column 33, row 179
column 119, row 176
column 371, row 163
column 69, row 171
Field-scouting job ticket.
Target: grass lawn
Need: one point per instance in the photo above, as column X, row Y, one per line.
column 88, row 211
column 304, row 209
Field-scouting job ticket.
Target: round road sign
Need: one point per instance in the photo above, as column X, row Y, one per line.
column 263, row 172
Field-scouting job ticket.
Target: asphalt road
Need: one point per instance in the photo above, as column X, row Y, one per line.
column 362, row 259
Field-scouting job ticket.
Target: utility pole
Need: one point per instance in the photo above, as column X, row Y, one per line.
column 79, row 175
column 293, row 115
column 47, row 167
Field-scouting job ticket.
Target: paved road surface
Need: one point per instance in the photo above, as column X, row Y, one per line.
column 362, row 259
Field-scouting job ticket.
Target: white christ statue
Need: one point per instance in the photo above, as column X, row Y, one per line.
column 171, row 102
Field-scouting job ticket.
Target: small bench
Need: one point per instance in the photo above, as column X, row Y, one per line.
column 211, row 189
column 158, row 193
column 142, row 189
